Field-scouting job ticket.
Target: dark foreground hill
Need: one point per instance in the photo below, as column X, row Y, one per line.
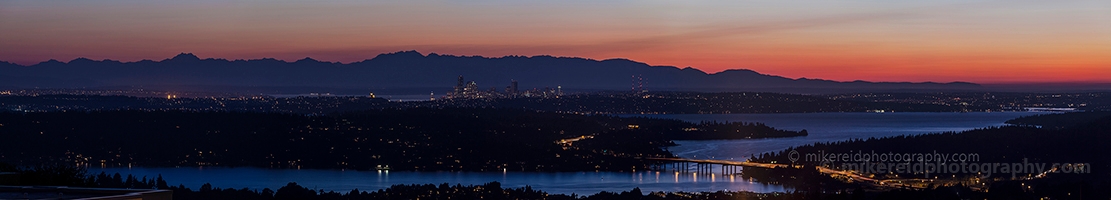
column 425, row 139
column 1009, row 162
column 1060, row 120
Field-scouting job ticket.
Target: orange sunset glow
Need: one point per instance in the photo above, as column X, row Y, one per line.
column 940, row 41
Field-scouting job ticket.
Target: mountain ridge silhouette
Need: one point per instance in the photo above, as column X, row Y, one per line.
column 412, row 69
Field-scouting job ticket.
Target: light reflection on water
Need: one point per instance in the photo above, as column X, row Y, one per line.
column 344, row 181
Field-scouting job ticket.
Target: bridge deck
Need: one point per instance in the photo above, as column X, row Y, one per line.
column 722, row 162
column 824, row 170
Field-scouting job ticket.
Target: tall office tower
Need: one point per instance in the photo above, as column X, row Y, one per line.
column 470, row 89
column 638, row 83
column 642, row 83
column 513, row 88
column 459, row 87
column 634, row 84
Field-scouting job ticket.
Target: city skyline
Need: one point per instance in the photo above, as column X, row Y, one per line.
column 940, row 41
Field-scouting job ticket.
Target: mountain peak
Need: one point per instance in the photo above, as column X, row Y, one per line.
column 401, row 54
column 9, row 64
column 80, row 60
column 51, row 61
column 185, row 56
column 739, row 71
column 307, row 59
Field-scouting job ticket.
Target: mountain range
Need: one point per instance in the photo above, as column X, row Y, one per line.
column 414, row 71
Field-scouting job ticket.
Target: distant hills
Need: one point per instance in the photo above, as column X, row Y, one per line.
column 413, row 72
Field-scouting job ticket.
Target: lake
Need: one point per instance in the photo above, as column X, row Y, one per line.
column 822, row 127
column 345, row 180
column 830, row 127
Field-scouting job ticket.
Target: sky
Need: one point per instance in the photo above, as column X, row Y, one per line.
column 873, row 40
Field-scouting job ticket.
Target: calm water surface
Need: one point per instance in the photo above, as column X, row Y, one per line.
column 823, row 127
column 830, row 127
column 344, row 181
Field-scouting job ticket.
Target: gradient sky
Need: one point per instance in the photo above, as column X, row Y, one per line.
column 881, row 40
